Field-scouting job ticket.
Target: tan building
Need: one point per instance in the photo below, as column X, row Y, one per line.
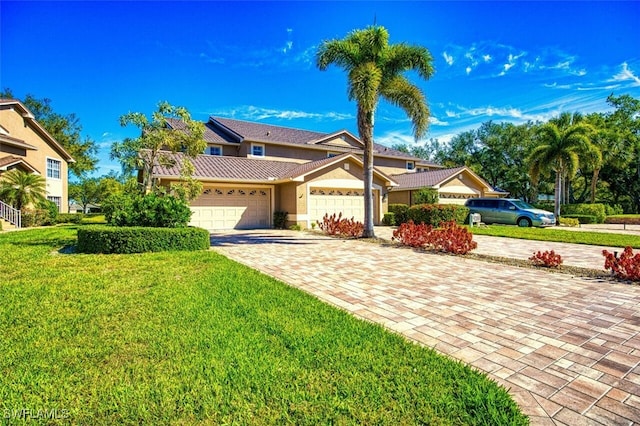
column 26, row 145
column 251, row 170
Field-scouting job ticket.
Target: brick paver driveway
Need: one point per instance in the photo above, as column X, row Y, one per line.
column 567, row 348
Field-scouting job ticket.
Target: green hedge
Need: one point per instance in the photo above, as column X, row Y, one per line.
column 389, row 219
column 69, row 218
column 597, row 210
column 112, row 239
column 399, row 212
column 582, row 218
column 434, row 214
column 628, row 219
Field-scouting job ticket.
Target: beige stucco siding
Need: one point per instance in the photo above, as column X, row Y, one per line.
column 20, row 128
column 399, row 197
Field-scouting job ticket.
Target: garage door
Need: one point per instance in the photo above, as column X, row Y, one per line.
column 232, row 208
column 349, row 202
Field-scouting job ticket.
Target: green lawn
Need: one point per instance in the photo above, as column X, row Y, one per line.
column 559, row 235
column 185, row 338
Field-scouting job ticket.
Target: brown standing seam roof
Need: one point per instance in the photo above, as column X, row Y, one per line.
column 422, row 179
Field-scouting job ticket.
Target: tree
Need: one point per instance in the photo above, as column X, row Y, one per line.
column 65, row 129
column 559, row 151
column 21, row 189
column 86, row 191
column 375, row 70
column 159, row 139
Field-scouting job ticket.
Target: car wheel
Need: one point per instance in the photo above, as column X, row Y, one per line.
column 524, row 222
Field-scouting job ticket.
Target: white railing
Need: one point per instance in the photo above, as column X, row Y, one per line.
column 10, row 214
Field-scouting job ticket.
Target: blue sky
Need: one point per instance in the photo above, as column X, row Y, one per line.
column 501, row 61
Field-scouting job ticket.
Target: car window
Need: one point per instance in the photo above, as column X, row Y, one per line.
column 522, row 205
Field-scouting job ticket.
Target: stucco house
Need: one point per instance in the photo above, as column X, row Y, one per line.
column 26, row 145
column 251, row 170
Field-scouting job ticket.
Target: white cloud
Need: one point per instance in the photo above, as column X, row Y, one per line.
column 468, row 70
column 451, row 114
column 448, row 58
column 250, row 112
column 625, row 75
column 511, row 62
column 288, row 46
column 487, row 58
column 436, row 122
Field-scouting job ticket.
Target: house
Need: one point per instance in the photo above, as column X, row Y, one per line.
column 251, row 170
column 26, row 145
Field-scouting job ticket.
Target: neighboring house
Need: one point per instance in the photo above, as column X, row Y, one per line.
column 454, row 186
column 251, row 170
column 26, row 145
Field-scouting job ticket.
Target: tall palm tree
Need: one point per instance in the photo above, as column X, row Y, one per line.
column 21, row 189
column 375, row 70
column 560, row 149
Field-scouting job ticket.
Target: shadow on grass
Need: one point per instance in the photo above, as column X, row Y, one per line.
column 218, row 240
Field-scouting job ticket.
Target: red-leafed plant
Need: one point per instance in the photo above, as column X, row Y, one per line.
column 626, row 267
column 336, row 225
column 550, row 259
column 449, row 237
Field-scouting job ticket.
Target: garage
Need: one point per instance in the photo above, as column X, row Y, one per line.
column 349, row 202
column 222, row 208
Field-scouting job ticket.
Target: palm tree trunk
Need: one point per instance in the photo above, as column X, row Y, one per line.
column 594, row 183
column 365, row 129
column 557, row 193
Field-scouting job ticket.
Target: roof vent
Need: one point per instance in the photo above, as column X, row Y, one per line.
column 268, row 132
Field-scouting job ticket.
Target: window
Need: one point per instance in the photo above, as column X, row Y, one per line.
column 411, row 165
column 53, row 168
column 257, row 150
column 214, row 150
column 56, row 200
column 332, row 154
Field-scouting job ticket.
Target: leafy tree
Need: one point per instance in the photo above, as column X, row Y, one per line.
column 375, row 70
column 559, row 151
column 66, row 129
column 21, row 189
column 157, row 141
column 86, row 191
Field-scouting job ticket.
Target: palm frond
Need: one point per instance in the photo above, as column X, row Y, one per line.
column 400, row 92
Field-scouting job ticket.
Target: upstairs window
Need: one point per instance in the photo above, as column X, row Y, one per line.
column 214, row 150
column 411, row 165
column 332, row 154
column 257, row 150
column 53, row 168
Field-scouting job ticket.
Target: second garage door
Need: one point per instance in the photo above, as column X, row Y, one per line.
column 349, row 202
column 232, row 208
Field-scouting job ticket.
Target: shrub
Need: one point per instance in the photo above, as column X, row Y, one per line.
column 449, row 238
column 597, row 210
column 151, row 210
column 400, row 212
column 335, row 225
column 124, row 240
column 582, row 218
column 626, row 267
column 389, row 219
column 569, row 221
column 296, row 227
column 434, row 214
column 34, row 217
column 547, row 258
column 70, row 218
column 426, row 196
column 613, row 210
column 279, row 219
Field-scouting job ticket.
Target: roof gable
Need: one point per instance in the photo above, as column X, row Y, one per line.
column 341, row 139
column 435, row 178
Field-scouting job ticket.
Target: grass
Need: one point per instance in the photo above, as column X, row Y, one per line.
column 559, row 235
column 192, row 337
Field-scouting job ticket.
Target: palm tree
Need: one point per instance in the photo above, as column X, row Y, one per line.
column 21, row 189
column 375, row 70
column 560, row 149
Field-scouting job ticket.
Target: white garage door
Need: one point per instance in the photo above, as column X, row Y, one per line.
column 349, row 202
column 232, row 208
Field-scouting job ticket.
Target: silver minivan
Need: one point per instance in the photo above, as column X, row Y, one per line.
column 509, row 211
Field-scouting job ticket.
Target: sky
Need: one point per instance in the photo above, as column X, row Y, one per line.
column 500, row 61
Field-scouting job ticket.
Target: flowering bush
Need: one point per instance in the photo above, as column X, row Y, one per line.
column 626, row 267
column 335, row 225
column 450, row 237
column 547, row 258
